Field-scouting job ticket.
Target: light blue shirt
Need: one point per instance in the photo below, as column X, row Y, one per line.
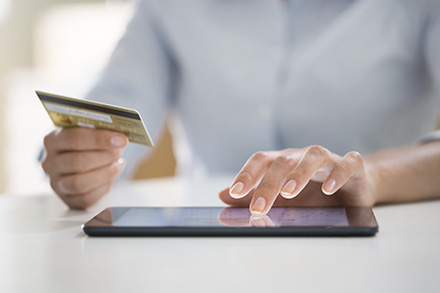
column 244, row 76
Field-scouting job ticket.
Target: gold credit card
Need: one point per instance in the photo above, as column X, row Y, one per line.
column 69, row 112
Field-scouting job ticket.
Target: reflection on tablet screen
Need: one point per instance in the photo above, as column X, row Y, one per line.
column 235, row 217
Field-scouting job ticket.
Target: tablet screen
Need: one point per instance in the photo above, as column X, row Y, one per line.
column 238, row 217
column 212, row 220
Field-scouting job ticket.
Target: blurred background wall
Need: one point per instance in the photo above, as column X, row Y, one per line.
column 57, row 46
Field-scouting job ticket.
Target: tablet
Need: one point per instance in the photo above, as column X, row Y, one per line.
column 231, row 221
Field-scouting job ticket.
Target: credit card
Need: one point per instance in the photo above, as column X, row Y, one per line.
column 70, row 112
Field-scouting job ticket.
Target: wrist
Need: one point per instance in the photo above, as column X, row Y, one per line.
column 375, row 177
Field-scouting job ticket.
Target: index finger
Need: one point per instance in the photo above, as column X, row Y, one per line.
column 250, row 174
column 81, row 139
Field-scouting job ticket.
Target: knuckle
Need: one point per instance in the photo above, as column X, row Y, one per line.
column 355, row 157
column 114, row 170
column 290, row 150
column 283, row 161
column 260, row 156
column 48, row 140
column 46, row 165
column 117, row 153
column 245, row 176
column 300, row 172
column 54, row 184
column 343, row 168
column 317, row 150
column 267, row 185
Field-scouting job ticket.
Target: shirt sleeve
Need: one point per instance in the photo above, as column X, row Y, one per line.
column 432, row 58
column 432, row 47
column 139, row 75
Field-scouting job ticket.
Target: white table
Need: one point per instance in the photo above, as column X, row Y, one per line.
column 42, row 249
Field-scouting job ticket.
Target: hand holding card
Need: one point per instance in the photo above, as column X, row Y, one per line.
column 83, row 156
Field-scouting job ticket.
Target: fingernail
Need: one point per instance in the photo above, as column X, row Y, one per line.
column 236, row 190
column 258, row 206
column 120, row 164
column 288, row 189
column 329, row 187
column 118, row 141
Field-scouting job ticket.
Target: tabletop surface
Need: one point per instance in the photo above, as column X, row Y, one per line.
column 43, row 249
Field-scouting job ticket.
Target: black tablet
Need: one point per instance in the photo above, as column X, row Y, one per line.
column 218, row 221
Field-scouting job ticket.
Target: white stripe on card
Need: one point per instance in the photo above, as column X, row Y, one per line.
column 77, row 112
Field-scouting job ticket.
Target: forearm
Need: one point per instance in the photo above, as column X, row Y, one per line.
column 404, row 174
